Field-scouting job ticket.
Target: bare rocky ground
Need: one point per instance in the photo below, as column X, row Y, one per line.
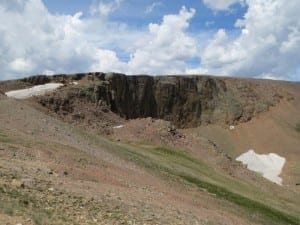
column 51, row 175
column 69, row 165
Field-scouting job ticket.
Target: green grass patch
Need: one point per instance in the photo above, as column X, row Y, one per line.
column 276, row 216
column 180, row 166
column 4, row 138
column 15, row 139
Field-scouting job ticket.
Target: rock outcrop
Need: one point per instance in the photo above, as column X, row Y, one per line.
column 37, row 80
column 187, row 101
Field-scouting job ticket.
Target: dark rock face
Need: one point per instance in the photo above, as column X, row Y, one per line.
column 187, row 101
column 183, row 100
column 37, row 80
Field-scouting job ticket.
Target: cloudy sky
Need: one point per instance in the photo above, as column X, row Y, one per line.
column 246, row 38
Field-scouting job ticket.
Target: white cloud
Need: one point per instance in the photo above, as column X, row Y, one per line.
column 221, row 4
column 105, row 7
column 167, row 46
column 151, row 7
column 21, row 65
column 34, row 41
column 269, row 43
column 107, row 60
column 31, row 36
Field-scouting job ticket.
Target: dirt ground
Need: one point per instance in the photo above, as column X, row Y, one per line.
column 62, row 175
column 57, row 171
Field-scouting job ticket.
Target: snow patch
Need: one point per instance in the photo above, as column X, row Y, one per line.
column 269, row 165
column 33, row 91
column 118, row 127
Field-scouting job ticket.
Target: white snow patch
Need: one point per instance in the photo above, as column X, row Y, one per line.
column 33, row 91
column 269, row 165
column 75, row 83
column 118, row 127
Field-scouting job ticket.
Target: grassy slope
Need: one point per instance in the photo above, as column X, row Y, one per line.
column 172, row 164
column 274, row 131
column 183, row 168
column 176, row 164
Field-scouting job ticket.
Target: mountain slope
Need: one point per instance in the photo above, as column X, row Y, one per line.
column 147, row 172
column 272, row 131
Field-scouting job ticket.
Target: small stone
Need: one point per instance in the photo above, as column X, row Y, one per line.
column 27, row 183
column 16, row 183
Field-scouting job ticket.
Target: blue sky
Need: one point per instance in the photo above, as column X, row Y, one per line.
column 134, row 12
column 245, row 38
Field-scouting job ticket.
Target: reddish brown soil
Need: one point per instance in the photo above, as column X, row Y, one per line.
column 51, row 157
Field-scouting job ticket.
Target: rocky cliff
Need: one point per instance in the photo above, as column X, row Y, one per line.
column 187, row 101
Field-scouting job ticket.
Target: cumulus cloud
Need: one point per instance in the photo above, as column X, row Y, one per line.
column 32, row 40
column 221, row 4
column 107, row 60
column 167, row 46
column 32, row 37
column 267, row 46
